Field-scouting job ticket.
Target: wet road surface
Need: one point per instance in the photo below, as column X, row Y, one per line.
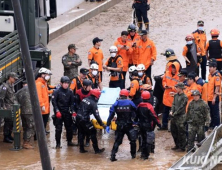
column 70, row 158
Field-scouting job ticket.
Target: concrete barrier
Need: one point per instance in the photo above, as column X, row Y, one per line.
column 82, row 18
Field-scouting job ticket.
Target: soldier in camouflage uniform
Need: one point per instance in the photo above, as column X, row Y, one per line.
column 28, row 125
column 198, row 119
column 71, row 61
column 177, row 114
column 7, row 99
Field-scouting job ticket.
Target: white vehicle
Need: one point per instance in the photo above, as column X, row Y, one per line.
column 107, row 99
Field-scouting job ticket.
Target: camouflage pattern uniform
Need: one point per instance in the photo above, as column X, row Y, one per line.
column 28, row 125
column 71, row 71
column 7, row 99
column 198, row 116
column 178, row 130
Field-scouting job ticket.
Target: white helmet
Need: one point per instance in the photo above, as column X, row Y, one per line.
column 44, row 71
column 140, row 67
column 113, row 49
column 94, row 66
column 132, row 69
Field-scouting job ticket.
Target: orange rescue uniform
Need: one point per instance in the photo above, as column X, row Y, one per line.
column 200, row 39
column 170, row 81
column 96, row 55
column 76, row 84
column 125, row 54
column 133, row 57
column 147, row 51
column 43, row 94
column 188, row 92
column 213, row 81
column 134, row 89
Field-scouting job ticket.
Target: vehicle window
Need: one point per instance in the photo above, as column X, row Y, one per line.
column 6, row 5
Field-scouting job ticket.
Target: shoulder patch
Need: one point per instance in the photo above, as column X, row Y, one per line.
column 119, row 62
column 132, row 85
column 89, row 53
column 63, row 58
column 4, row 88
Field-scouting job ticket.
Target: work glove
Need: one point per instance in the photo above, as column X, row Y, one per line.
column 74, row 117
column 58, row 115
column 107, row 129
column 43, row 108
column 148, row 7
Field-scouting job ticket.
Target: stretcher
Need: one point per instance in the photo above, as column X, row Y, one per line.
column 107, row 99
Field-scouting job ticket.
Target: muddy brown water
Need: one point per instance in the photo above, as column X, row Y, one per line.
column 69, row 157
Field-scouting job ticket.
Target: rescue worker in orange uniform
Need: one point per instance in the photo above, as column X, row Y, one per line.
column 214, row 48
column 77, row 81
column 200, row 39
column 95, row 54
column 202, row 86
column 147, row 52
column 170, row 79
column 191, row 82
column 94, row 76
column 183, row 77
column 135, row 93
column 146, row 83
column 188, row 55
column 133, row 38
column 115, row 65
column 170, row 57
column 124, row 50
column 213, row 88
column 43, row 93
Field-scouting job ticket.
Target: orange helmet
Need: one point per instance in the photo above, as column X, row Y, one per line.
column 214, row 32
column 145, row 95
column 124, row 92
column 189, row 37
column 96, row 93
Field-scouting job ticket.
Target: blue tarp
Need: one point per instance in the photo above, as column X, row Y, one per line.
column 109, row 96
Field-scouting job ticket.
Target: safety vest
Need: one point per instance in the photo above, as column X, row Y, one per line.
column 112, row 63
column 215, row 50
column 96, row 83
column 78, row 84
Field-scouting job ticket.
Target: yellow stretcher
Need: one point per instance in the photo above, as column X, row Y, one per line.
column 107, row 99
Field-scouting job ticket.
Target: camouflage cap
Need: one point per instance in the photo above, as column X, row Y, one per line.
column 13, row 75
column 180, row 85
column 72, row 46
column 196, row 93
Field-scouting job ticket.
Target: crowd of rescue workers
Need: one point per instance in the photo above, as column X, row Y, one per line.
column 190, row 102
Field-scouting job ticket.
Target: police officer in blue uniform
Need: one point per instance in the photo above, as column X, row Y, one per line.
column 125, row 110
column 141, row 8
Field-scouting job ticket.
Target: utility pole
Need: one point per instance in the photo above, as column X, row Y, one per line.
column 40, row 131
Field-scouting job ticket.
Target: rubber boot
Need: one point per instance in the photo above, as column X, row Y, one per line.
column 140, row 26
column 87, row 141
column 7, row 140
column 27, row 145
column 147, row 27
column 100, row 151
column 113, row 158
column 81, row 148
column 58, row 145
column 70, row 143
column 10, row 137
